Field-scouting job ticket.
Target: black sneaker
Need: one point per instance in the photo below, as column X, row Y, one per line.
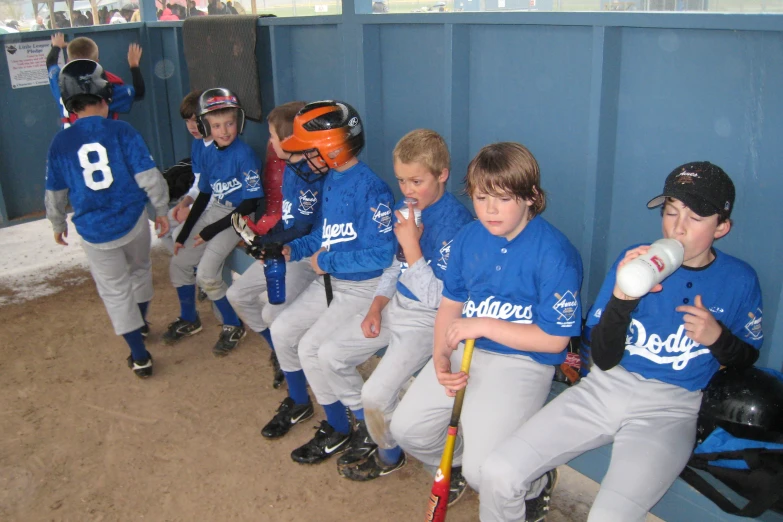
column 279, row 378
column 145, row 330
column 326, row 443
column 180, row 329
column 228, row 340
column 142, row 369
column 537, row 509
column 288, row 414
column 457, row 486
column 360, row 448
column 370, row 468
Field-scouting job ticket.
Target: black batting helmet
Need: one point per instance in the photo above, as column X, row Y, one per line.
column 214, row 100
column 81, row 78
column 746, row 403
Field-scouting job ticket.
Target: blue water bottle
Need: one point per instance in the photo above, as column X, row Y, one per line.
column 274, row 271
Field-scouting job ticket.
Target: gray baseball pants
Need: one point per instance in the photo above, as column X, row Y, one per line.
column 503, row 392
column 651, row 424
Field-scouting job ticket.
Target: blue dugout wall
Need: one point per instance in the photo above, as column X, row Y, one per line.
column 609, row 103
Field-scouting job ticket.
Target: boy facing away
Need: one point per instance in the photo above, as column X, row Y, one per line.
column 512, row 285
column 652, row 357
column 402, row 313
column 353, row 243
column 83, row 48
column 105, row 170
column 206, row 238
column 300, row 210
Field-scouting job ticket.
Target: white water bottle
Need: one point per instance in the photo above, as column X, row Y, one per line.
column 639, row 276
column 417, row 217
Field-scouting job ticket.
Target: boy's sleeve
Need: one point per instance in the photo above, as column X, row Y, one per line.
column 274, row 168
column 425, row 279
column 309, row 244
column 559, row 283
column 740, row 341
column 138, row 83
column 387, row 285
column 250, row 169
column 145, row 172
column 604, row 294
column 374, row 224
column 122, row 98
column 454, row 285
column 56, row 196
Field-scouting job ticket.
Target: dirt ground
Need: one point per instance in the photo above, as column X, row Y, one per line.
column 83, row 439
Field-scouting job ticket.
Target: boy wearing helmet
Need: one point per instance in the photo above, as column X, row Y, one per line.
column 653, row 355
column 232, row 180
column 353, row 242
column 105, row 170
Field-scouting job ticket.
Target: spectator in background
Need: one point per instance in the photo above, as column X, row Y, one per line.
column 168, row 16
column 38, row 25
column 117, row 18
column 230, row 8
column 193, row 10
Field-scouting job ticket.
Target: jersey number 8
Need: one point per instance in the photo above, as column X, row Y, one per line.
column 89, row 168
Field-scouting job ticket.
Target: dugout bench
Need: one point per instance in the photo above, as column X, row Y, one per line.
column 681, row 503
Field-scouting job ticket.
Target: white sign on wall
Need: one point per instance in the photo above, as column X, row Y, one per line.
column 27, row 63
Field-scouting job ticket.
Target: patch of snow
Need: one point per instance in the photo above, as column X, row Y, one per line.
column 30, row 261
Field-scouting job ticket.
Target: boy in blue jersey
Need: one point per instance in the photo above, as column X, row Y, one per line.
column 512, row 284
column 412, row 290
column 83, row 48
column 105, row 170
column 300, row 209
column 352, row 244
column 652, row 357
column 233, row 183
column 201, row 153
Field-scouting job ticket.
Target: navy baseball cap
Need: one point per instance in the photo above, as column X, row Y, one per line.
column 701, row 186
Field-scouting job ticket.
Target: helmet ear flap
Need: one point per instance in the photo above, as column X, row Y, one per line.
column 241, row 120
column 203, row 126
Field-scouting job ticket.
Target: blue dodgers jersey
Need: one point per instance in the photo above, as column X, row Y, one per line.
column 202, row 154
column 96, row 159
column 355, row 226
column 232, row 175
column 533, row 279
column 121, row 101
column 442, row 220
column 656, row 346
column 301, row 200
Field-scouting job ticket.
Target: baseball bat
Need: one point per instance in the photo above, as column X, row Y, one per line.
column 328, row 287
column 439, row 495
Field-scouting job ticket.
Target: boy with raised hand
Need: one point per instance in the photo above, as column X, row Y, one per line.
column 652, row 357
column 402, row 313
column 233, row 183
column 105, row 170
column 353, row 243
column 512, row 285
column 83, row 48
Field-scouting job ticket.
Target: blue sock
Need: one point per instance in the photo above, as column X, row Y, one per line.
column 359, row 414
column 390, row 456
column 136, row 342
column 337, row 417
column 267, row 335
column 187, row 302
column 297, row 386
column 229, row 315
column 143, row 309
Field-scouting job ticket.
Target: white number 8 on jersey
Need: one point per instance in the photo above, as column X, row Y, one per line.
column 89, row 168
